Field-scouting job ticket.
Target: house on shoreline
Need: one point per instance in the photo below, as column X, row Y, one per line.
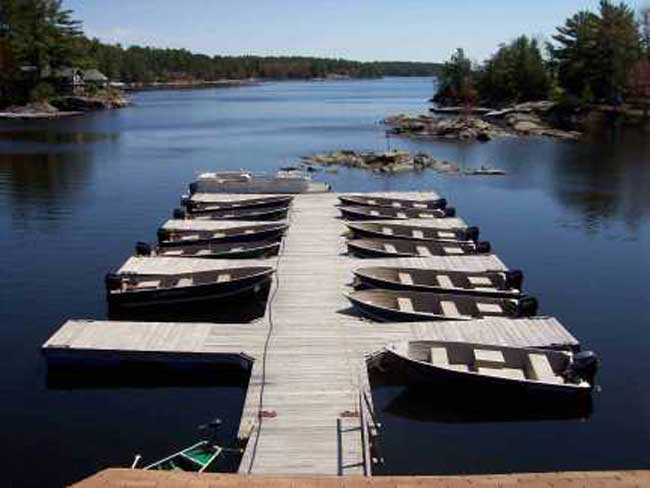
column 76, row 81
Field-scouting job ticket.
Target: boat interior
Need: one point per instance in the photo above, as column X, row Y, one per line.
column 510, row 363
column 136, row 282
column 437, row 278
column 208, row 249
column 448, row 306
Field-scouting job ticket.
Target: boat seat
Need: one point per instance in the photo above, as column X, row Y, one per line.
column 189, row 237
column 372, row 202
column 449, row 309
column 511, row 373
column 374, row 212
column 236, row 249
column 396, row 205
column 418, row 234
column 405, row 304
column 249, row 231
column 488, row 358
column 148, row 284
column 453, row 250
column 203, row 252
column 222, row 278
column 479, row 280
column 390, row 248
column 446, row 235
column 439, row 356
column 426, row 215
column 423, row 251
column 218, row 235
column 401, row 215
column 541, row 369
column 387, row 231
column 405, row 278
column 189, row 281
column 489, row 308
column 419, row 205
column 444, row 281
column 175, row 252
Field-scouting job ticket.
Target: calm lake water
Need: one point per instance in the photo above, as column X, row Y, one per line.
column 76, row 194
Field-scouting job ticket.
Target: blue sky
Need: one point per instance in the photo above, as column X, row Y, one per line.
column 417, row 30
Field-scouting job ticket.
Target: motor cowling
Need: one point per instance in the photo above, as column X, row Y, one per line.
column 584, row 366
column 449, row 211
column 179, row 214
column 527, row 307
column 441, row 203
column 185, row 200
column 471, row 234
column 514, row 279
column 163, row 235
column 113, row 281
column 143, row 249
column 483, row 247
column 193, row 187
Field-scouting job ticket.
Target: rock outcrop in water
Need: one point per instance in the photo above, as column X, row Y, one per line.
column 381, row 162
column 66, row 106
column 532, row 118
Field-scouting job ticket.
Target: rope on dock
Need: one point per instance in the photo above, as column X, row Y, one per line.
column 265, row 350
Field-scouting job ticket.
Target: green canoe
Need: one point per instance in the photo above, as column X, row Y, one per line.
column 195, row 458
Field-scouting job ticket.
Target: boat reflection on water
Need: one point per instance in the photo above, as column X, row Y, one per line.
column 458, row 406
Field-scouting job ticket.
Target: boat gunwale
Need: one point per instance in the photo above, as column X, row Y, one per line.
column 267, row 272
column 576, row 386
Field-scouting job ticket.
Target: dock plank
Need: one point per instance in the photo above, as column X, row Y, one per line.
column 302, row 408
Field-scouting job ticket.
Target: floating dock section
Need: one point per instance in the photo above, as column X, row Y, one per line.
column 308, row 408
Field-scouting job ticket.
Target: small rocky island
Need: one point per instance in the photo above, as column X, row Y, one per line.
column 456, row 123
column 380, row 162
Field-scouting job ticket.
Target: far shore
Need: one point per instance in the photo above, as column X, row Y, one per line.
column 189, row 84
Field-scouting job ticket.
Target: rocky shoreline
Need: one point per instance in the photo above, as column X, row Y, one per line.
column 65, row 106
column 484, row 124
column 381, row 162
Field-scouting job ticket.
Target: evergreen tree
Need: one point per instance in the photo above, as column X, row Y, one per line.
column 43, row 34
column 596, row 52
column 455, row 79
column 516, row 72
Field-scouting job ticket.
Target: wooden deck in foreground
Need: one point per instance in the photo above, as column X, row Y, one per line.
column 127, row 478
column 304, row 411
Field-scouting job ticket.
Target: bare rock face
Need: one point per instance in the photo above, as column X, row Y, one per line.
column 454, row 128
column 381, row 162
column 87, row 104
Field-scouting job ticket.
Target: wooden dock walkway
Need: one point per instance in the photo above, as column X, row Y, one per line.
column 304, row 411
column 129, row 478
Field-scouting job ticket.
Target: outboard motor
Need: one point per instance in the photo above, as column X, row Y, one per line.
column 471, row 234
column 441, row 203
column 449, row 211
column 185, row 200
column 112, row 281
column 514, row 279
column 483, row 247
column 193, row 187
column 179, row 214
column 527, row 307
column 143, row 249
column 583, row 367
column 163, row 235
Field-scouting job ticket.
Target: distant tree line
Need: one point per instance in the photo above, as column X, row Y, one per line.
column 147, row 64
column 593, row 57
column 37, row 36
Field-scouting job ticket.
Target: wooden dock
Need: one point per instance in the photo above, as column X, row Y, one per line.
column 129, row 478
column 307, row 408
